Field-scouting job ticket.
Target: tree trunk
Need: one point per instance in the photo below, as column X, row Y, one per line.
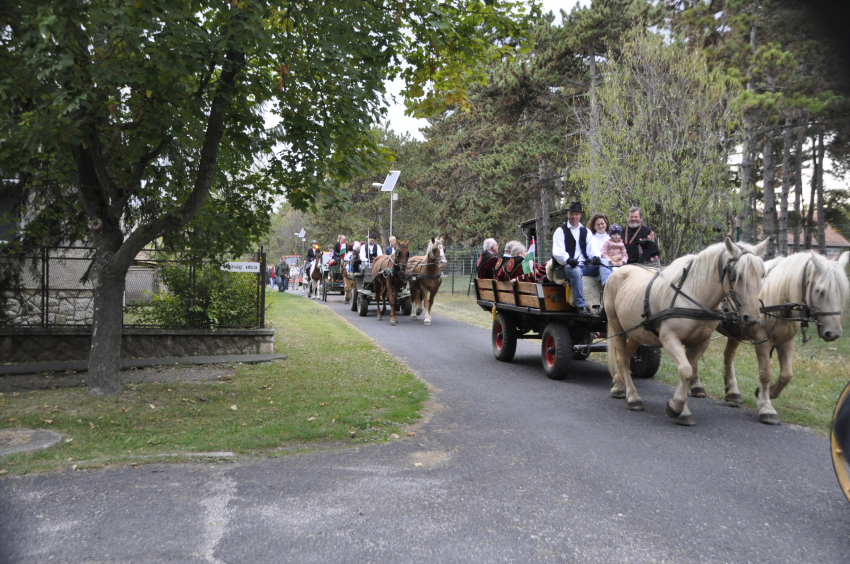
column 810, row 215
column 104, row 376
column 819, row 182
column 782, row 246
column 385, row 240
column 746, row 191
column 769, row 185
column 543, row 210
column 798, row 185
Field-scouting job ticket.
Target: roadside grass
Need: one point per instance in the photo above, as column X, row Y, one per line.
column 335, row 386
column 821, row 370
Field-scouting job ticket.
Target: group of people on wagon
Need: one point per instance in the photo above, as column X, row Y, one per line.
column 578, row 250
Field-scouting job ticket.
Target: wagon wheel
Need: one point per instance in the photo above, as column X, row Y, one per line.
column 362, row 305
column 839, row 439
column 503, row 337
column 406, row 306
column 557, row 351
column 645, row 362
column 353, row 299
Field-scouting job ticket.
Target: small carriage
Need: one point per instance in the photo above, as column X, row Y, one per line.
column 332, row 281
column 543, row 311
column 364, row 293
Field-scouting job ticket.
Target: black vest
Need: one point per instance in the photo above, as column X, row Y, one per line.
column 373, row 252
column 570, row 243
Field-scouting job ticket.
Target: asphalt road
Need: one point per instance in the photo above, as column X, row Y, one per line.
column 509, row 467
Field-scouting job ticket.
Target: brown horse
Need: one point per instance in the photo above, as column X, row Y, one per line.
column 347, row 281
column 426, row 278
column 315, row 276
column 389, row 277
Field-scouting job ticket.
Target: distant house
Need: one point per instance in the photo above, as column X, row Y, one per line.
column 836, row 243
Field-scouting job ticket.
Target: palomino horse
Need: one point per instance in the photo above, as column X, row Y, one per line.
column 816, row 290
column 314, row 276
column 426, row 278
column 389, row 275
column 677, row 311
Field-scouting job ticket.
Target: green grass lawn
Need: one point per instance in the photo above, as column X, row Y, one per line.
column 821, row 370
column 335, row 386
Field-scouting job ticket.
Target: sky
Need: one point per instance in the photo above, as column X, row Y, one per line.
column 401, row 123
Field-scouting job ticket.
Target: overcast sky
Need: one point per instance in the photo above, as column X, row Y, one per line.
column 401, row 123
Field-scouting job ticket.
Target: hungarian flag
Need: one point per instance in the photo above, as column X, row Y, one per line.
column 528, row 261
column 342, row 248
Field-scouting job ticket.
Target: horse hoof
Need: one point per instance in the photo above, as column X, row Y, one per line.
column 685, row 420
column 671, row 413
column 618, row 394
column 769, row 418
column 413, row 318
column 734, row 400
column 393, row 322
column 427, row 322
column 636, row 405
column 698, row 392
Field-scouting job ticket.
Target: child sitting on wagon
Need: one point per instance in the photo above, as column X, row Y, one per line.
column 614, row 252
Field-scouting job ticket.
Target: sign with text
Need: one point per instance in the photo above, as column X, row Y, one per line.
column 252, row 267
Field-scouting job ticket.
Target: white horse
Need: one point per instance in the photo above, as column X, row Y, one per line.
column 821, row 287
column 720, row 271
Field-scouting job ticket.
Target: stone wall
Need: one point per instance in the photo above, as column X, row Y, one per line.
column 58, row 344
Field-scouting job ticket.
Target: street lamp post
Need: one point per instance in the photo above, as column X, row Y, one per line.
column 388, row 186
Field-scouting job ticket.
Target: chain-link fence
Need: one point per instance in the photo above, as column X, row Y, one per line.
column 52, row 287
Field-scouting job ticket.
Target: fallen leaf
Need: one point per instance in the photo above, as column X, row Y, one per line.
column 244, row 424
column 322, row 404
column 393, row 397
column 135, row 466
column 200, row 398
column 393, row 436
column 417, row 464
column 411, row 434
column 3, row 471
column 74, row 467
column 233, row 408
column 48, row 421
column 152, row 406
column 311, row 419
column 69, row 440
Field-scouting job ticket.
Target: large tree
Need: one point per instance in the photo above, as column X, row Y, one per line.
column 151, row 109
column 666, row 124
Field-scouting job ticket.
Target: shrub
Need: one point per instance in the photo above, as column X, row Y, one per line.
column 217, row 298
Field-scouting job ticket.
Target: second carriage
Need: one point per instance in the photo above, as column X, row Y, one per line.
column 364, row 293
column 332, row 281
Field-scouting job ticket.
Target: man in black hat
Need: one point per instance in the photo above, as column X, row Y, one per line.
column 640, row 240
column 570, row 250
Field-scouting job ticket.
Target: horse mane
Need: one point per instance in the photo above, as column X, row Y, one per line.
column 703, row 272
column 784, row 282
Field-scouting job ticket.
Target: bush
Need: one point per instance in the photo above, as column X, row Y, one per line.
column 217, row 299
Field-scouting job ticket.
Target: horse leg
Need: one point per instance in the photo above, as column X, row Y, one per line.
column 379, row 295
column 733, row 394
column 767, row 414
column 677, row 406
column 414, row 297
column 392, row 295
column 694, row 353
column 428, row 304
column 785, row 353
column 420, row 299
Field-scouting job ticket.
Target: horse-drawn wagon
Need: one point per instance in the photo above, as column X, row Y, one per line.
column 364, row 293
column 542, row 311
column 332, row 281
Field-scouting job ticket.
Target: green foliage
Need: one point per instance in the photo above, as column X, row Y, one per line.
column 666, row 126
column 204, row 297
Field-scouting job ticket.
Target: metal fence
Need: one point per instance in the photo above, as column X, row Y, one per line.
column 51, row 287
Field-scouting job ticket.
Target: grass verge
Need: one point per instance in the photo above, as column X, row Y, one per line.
column 821, row 370
column 335, row 385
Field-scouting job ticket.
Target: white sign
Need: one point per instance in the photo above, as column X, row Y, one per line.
column 389, row 183
column 253, row 267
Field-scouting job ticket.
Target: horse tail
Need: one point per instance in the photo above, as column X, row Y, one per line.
column 617, row 343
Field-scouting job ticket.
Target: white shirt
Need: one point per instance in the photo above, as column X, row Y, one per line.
column 559, row 251
column 366, row 250
column 596, row 242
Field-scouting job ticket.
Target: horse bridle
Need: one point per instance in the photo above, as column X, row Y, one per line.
column 808, row 313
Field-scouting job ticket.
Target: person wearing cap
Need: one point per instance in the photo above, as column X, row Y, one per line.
column 370, row 252
column 613, row 252
column 571, row 253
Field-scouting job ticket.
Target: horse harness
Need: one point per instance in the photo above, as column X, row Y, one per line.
column 703, row 313
column 415, row 271
column 808, row 313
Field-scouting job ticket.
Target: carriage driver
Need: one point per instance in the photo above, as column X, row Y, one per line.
column 369, row 252
column 570, row 249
